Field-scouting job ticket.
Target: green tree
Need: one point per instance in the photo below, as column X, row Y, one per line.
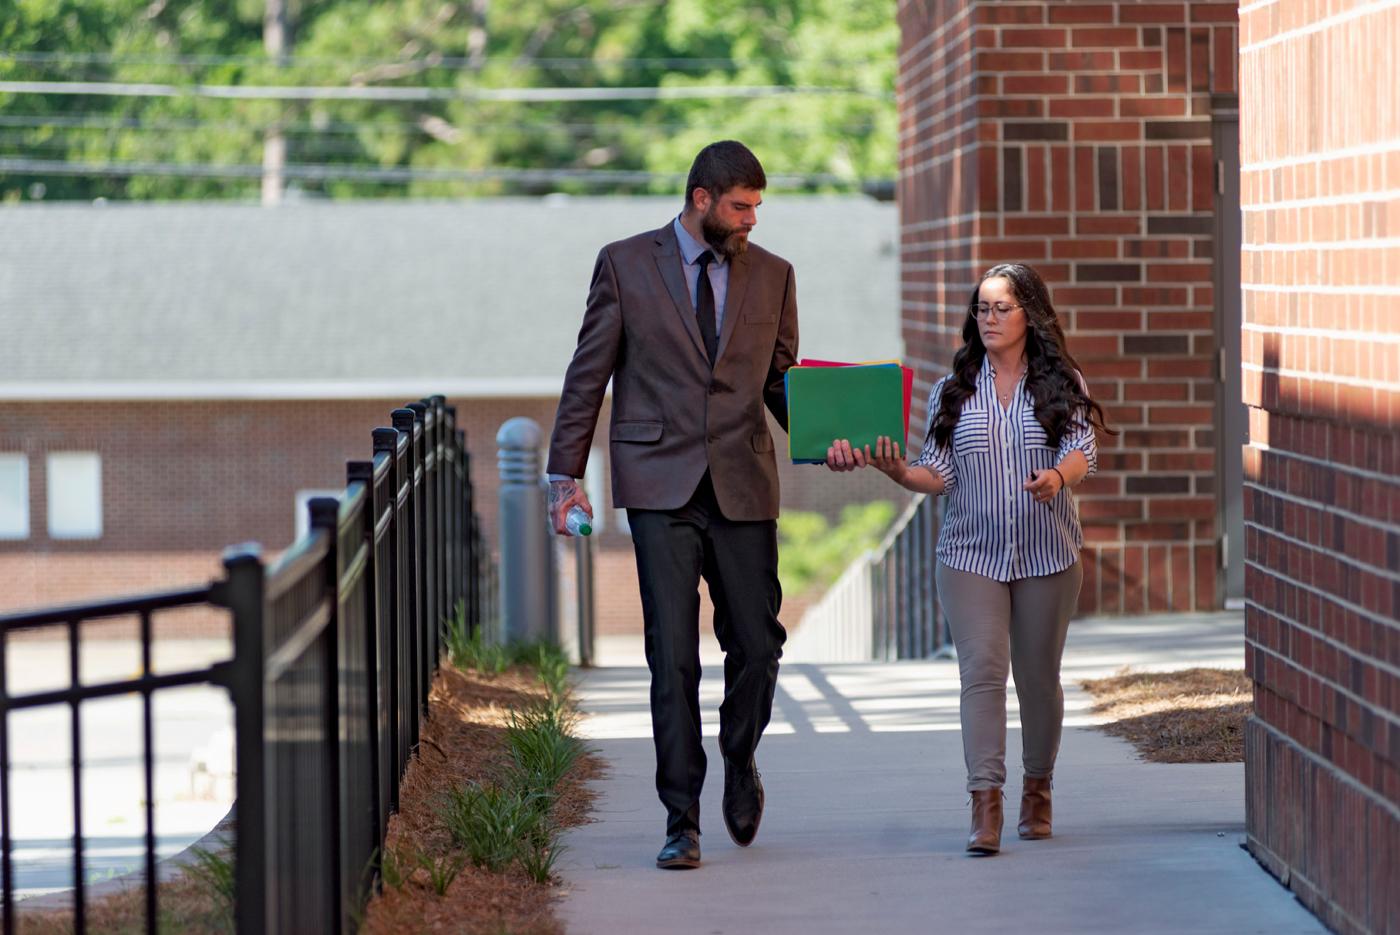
column 455, row 47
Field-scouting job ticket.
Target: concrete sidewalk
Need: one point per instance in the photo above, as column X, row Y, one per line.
column 865, row 824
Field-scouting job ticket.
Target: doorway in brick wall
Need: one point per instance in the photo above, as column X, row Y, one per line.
column 1232, row 417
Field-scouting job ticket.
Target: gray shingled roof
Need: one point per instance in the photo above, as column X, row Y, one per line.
column 373, row 298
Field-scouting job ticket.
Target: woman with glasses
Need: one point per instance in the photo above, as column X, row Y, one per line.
column 1010, row 432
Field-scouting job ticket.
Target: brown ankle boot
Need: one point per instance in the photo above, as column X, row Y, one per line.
column 1035, row 808
column 985, row 837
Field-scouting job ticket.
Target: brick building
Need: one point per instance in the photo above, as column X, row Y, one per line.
column 1102, row 143
column 1320, row 184
column 1087, row 140
column 176, row 378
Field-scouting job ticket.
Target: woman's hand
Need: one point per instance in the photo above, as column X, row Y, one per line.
column 1043, row 485
column 887, row 459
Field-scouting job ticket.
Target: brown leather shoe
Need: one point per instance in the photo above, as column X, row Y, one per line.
column 985, row 837
column 1035, row 808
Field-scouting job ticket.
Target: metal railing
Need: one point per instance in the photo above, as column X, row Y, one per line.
column 335, row 646
column 884, row 606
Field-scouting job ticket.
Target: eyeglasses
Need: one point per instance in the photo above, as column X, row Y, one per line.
column 982, row 310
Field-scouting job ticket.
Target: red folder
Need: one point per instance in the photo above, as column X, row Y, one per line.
column 907, row 371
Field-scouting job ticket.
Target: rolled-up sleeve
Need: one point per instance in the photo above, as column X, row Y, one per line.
column 936, row 457
column 1079, row 435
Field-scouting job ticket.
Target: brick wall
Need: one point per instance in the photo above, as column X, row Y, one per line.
column 182, row 480
column 1076, row 137
column 1320, row 189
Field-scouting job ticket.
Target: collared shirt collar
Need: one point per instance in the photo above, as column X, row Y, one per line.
column 692, row 248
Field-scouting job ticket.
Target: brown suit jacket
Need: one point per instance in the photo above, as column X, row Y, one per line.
column 671, row 416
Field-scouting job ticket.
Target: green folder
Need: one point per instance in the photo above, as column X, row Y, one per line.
column 859, row 403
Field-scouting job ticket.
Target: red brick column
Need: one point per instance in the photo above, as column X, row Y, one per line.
column 1320, row 189
column 1077, row 137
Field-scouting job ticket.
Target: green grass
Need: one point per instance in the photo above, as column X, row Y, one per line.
column 214, row 873
column 542, row 746
column 475, row 651
column 493, row 823
column 507, row 822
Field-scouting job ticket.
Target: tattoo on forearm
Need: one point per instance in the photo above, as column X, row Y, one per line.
column 560, row 491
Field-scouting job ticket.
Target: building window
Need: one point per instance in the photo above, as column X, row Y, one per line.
column 75, row 495
column 303, row 511
column 14, row 496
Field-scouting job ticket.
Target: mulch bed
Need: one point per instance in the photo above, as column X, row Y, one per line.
column 465, row 740
column 1188, row 716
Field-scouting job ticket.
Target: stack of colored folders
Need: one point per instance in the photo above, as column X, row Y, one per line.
column 830, row 399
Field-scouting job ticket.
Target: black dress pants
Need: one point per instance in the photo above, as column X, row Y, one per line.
column 739, row 562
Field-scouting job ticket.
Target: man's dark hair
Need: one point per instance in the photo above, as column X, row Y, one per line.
column 721, row 166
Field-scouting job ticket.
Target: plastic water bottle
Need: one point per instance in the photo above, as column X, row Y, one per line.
column 578, row 522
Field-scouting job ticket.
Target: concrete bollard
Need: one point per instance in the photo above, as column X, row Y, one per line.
column 528, row 606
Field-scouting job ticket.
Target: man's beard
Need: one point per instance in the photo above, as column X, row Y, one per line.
column 725, row 239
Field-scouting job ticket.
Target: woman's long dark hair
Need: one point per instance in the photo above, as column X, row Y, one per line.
column 1050, row 370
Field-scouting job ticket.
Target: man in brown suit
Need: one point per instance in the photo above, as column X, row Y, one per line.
column 696, row 328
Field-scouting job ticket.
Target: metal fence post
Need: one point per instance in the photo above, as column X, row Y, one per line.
column 526, row 591
column 583, row 586
column 244, row 596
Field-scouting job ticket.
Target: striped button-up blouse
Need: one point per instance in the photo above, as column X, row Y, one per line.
column 992, row 527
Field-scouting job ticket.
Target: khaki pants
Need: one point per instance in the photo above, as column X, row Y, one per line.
column 1020, row 626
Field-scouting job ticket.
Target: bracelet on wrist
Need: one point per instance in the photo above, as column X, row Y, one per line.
column 1063, row 483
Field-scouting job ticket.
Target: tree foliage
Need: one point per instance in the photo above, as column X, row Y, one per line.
column 833, row 139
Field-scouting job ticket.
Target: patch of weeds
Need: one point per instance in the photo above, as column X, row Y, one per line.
column 391, row 868
column 542, row 745
column 214, row 873
column 441, row 870
column 538, row 859
column 468, row 649
column 490, row 822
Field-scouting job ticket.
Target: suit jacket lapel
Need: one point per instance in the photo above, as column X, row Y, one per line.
column 668, row 261
column 734, row 300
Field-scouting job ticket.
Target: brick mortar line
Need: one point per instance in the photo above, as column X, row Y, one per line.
column 1373, row 570
column 947, row 156
column 1385, row 716
column 1368, row 337
column 1349, row 651
column 947, row 91
column 1350, row 469
column 948, row 26
column 1369, row 149
column 1322, row 25
column 1321, row 377
column 1349, row 199
column 1324, row 907
column 1303, row 501
column 1319, row 289
column 1333, row 769
column 1375, row 243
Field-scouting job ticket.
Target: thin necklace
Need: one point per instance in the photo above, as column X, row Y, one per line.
column 1006, row 397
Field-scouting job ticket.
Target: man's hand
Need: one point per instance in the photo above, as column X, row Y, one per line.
column 563, row 495
column 841, row 457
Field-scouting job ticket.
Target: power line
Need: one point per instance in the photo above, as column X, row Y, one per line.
column 390, row 174
column 454, row 63
column 338, row 127
column 402, row 94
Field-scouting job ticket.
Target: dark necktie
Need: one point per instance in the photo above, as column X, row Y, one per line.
column 705, row 306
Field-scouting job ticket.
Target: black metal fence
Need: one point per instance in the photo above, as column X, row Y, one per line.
column 335, row 646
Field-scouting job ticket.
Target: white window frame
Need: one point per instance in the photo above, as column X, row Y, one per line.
column 21, row 528
column 59, row 510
